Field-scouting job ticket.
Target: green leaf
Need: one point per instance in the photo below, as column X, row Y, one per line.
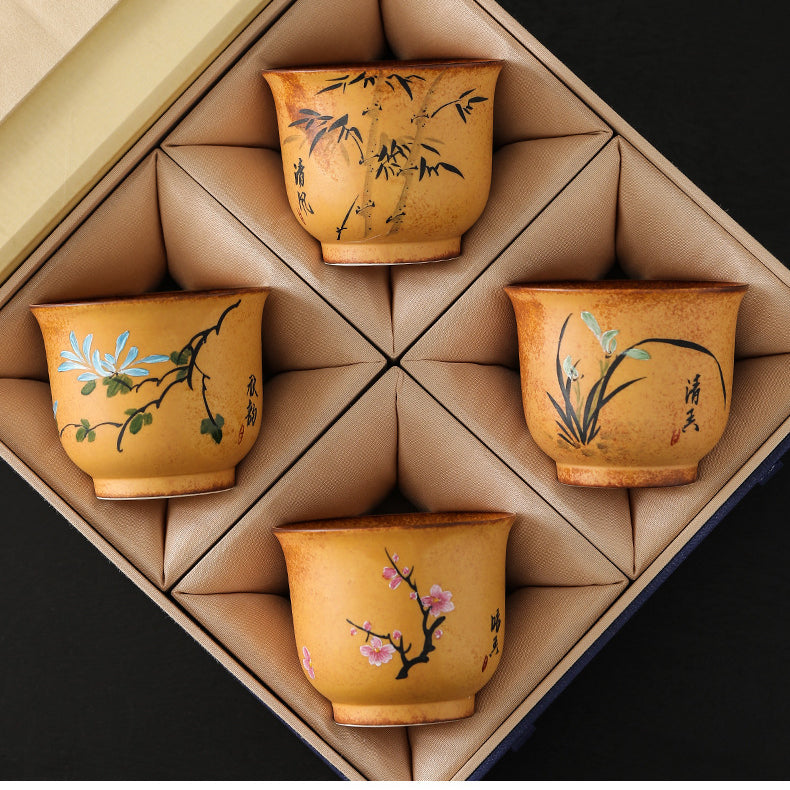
column 636, row 353
column 213, row 429
column 86, row 424
column 89, row 387
column 112, row 388
column 130, row 412
column 136, row 423
column 608, row 342
column 91, row 436
column 125, row 380
column 148, row 418
column 81, row 434
column 181, row 375
column 589, row 319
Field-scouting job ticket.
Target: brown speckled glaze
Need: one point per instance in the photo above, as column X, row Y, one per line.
column 398, row 619
column 626, row 383
column 157, row 395
column 387, row 162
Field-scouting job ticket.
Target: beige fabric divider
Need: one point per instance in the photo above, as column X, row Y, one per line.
column 258, row 630
column 663, row 234
column 536, row 171
column 530, row 101
column 93, row 262
column 542, row 624
column 248, row 182
column 239, row 110
column 442, row 466
column 27, row 428
column 760, row 403
column 486, row 400
column 346, row 472
column 207, row 247
column 573, row 238
column 296, row 408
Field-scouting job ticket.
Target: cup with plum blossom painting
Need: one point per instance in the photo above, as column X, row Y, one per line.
column 156, row 395
column 398, row 619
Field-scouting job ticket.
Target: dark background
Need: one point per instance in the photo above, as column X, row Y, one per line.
column 97, row 683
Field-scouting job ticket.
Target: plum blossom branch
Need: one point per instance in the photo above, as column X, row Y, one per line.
column 379, row 647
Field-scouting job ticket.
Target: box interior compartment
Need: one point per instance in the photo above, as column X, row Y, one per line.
column 392, row 381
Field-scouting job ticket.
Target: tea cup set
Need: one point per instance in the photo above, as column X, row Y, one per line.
column 398, row 619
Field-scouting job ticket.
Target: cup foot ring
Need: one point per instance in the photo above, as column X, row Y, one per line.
column 385, row 253
column 399, row 715
column 161, row 487
column 626, row 476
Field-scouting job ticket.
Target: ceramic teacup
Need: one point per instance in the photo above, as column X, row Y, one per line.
column 157, row 395
column 626, row 383
column 387, row 162
column 398, row 619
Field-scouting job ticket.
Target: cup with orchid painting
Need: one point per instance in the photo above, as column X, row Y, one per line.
column 626, row 383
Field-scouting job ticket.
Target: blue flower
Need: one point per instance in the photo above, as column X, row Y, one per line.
column 82, row 358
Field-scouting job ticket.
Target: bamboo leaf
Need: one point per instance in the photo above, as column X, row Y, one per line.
column 342, row 121
column 430, row 148
column 466, row 93
column 451, row 168
column 636, row 353
column 318, row 136
column 461, row 112
column 476, row 99
column 330, row 88
column 356, row 79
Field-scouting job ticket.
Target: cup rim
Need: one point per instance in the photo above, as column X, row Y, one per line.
column 625, row 286
column 388, row 522
column 156, row 296
column 381, row 65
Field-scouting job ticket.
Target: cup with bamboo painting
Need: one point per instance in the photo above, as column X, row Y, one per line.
column 387, row 162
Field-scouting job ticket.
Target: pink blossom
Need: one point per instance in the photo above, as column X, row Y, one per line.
column 395, row 557
column 308, row 663
column 366, row 625
column 438, row 601
column 392, row 576
column 438, row 633
column 405, row 571
column 377, row 652
column 396, row 634
column 353, row 631
column 413, row 595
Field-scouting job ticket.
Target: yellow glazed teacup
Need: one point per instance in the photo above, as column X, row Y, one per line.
column 398, row 619
column 387, row 162
column 157, row 395
column 626, row 383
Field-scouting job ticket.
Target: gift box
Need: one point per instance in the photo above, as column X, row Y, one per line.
column 397, row 387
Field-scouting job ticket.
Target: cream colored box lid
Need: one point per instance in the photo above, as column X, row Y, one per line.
column 80, row 83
